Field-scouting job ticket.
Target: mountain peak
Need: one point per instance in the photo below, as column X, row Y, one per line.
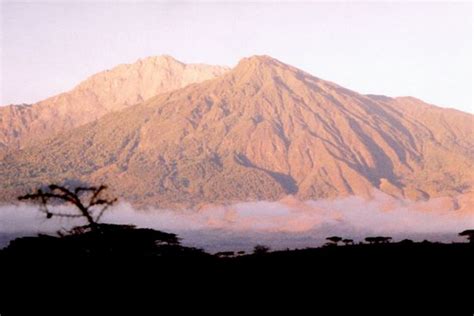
column 261, row 131
column 258, row 61
column 161, row 59
column 261, row 69
column 106, row 91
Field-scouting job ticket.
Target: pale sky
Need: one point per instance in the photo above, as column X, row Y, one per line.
column 395, row 49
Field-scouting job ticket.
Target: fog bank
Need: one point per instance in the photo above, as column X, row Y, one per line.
column 287, row 223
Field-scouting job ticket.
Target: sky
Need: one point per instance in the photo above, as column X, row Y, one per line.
column 421, row 49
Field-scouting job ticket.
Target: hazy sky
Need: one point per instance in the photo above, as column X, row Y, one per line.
column 418, row 49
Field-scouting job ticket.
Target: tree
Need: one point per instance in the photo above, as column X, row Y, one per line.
column 378, row 240
column 371, row 240
column 94, row 238
column 90, row 202
column 469, row 234
column 382, row 240
column 334, row 239
column 406, row 242
column 348, row 241
column 260, row 250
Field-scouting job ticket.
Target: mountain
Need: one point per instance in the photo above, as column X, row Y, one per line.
column 104, row 92
column 262, row 131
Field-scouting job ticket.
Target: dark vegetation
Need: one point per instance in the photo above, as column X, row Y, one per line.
column 100, row 253
column 95, row 239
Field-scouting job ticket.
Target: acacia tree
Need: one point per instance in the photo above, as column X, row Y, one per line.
column 469, row 234
column 334, row 239
column 378, row 240
column 101, row 239
column 90, row 202
column 371, row 240
column 384, row 240
column 260, row 250
column 348, row 242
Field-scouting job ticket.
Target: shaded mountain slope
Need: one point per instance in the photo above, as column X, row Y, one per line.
column 261, row 131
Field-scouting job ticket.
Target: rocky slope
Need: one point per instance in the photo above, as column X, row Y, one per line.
column 264, row 130
column 107, row 91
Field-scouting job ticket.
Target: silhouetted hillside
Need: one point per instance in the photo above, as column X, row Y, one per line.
column 407, row 274
column 107, row 240
column 125, row 260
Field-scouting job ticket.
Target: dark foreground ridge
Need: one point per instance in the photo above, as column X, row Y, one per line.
column 124, row 260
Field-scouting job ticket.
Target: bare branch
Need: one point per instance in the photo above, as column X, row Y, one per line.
column 63, row 194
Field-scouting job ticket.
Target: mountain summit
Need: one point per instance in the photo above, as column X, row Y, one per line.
column 104, row 92
column 262, row 131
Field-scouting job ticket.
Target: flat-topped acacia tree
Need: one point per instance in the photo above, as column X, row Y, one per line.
column 334, row 239
column 469, row 234
column 96, row 239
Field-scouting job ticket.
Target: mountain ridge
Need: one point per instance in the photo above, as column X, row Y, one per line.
column 262, row 131
column 106, row 91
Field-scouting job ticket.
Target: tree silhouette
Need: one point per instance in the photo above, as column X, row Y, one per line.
column 334, row 239
column 469, row 234
column 94, row 238
column 383, row 240
column 260, row 250
column 90, row 202
column 371, row 240
column 348, row 241
column 378, row 240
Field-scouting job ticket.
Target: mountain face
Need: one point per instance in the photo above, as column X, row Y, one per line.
column 262, row 131
column 107, row 91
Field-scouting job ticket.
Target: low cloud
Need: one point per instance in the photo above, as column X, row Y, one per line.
column 285, row 223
